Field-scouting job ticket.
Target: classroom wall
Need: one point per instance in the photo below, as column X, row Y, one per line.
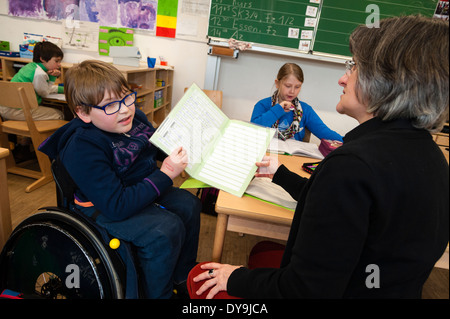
column 188, row 57
column 243, row 81
column 252, row 77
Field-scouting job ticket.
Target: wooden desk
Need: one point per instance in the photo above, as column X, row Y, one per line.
column 251, row 216
column 5, row 212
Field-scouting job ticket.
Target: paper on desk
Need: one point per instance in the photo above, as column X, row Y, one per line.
column 222, row 152
column 56, row 96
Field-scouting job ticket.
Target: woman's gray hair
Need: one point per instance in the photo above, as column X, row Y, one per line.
column 403, row 69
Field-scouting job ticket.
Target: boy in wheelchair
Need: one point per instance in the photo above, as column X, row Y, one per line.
column 107, row 153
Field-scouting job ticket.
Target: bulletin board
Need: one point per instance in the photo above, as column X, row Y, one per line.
column 186, row 19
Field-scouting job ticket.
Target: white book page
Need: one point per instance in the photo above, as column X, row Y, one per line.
column 192, row 124
column 231, row 164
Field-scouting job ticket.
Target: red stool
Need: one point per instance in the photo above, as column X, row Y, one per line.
column 265, row 254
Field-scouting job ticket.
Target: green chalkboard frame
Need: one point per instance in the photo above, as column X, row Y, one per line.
column 338, row 20
column 269, row 22
column 253, row 20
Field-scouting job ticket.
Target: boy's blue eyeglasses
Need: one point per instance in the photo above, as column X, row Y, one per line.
column 114, row 107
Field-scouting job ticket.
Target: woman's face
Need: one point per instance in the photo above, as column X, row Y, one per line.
column 349, row 103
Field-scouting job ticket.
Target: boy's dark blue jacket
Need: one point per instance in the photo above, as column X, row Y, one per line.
column 116, row 172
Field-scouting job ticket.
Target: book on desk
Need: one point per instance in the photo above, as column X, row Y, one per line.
column 294, row 147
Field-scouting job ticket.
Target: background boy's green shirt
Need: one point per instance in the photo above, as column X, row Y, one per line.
column 43, row 83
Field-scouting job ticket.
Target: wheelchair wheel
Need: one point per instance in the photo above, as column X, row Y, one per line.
column 56, row 256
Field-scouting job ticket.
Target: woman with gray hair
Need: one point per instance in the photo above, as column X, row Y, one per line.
column 373, row 219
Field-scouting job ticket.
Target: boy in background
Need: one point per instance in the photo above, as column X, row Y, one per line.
column 42, row 72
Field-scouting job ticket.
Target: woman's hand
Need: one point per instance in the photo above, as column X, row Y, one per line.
column 216, row 276
column 175, row 163
column 267, row 167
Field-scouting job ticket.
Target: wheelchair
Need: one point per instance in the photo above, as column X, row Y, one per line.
column 59, row 253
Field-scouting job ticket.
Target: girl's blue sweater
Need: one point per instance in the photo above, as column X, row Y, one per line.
column 266, row 115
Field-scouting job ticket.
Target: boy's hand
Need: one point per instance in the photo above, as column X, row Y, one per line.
column 175, row 163
column 54, row 72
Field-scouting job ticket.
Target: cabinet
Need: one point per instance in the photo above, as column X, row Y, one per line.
column 153, row 86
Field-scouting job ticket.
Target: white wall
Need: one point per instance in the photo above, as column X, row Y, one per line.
column 251, row 77
column 243, row 81
column 188, row 57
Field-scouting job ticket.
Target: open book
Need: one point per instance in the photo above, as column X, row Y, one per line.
column 222, row 152
column 294, row 147
column 263, row 188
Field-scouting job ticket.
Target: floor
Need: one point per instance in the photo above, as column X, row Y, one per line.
column 236, row 247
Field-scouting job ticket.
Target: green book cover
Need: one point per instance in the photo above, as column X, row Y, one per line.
column 222, row 152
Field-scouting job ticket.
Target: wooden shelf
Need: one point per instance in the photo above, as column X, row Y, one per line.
column 143, row 77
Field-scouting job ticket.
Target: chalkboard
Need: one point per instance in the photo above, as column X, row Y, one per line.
column 280, row 23
column 315, row 26
column 338, row 20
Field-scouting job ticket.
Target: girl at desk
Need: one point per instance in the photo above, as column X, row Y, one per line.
column 284, row 111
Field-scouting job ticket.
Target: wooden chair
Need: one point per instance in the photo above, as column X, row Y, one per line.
column 22, row 95
column 5, row 212
column 215, row 96
column 307, row 136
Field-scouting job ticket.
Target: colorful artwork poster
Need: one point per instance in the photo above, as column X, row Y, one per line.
column 138, row 14
column 61, row 9
column 29, row 9
column 102, row 11
column 48, row 9
column 166, row 23
column 109, row 36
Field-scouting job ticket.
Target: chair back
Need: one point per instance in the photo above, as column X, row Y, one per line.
column 307, row 136
column 215, row 96
column 20, row 95
column 65, row 186
column 11, row 97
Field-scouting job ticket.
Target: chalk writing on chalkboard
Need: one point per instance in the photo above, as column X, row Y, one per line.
column 280, row 23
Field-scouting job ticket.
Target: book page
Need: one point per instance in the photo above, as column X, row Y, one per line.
column 193, row 124
column 263, row 188
column 278, row 146
column 222, row 153
column 304, row 149
column 231, row 163
column 294, row 147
